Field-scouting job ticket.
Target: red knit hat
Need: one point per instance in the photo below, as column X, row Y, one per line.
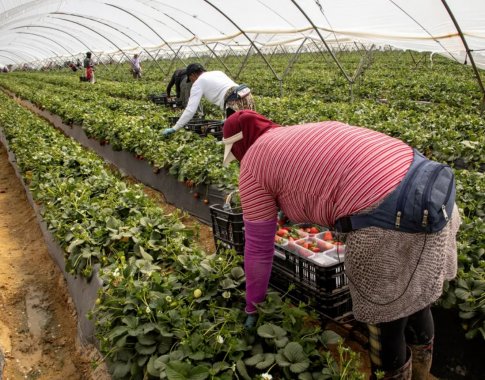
column 240, row 131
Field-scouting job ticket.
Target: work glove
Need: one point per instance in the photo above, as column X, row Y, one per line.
column 167, row 132
column 251, row 320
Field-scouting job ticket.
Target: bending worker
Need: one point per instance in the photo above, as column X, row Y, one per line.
column 396, row 207
column 218, row 88
column 182, row 87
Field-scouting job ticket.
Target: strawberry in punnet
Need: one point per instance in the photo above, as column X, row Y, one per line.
column 313, row 230
column 327, row 236
column 282, row 232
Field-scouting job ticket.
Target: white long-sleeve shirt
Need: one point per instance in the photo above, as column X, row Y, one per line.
column 212, row 85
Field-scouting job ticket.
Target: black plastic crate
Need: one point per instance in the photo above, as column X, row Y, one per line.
column 336, row 306
column 206, row 127
column 228, row 227
column 319, row 279
column 165, row 100
column 158, row 98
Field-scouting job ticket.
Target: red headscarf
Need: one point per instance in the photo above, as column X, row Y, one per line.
column 251, row 124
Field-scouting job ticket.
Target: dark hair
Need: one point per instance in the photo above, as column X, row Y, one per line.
column 193, row 68
column 88, row 54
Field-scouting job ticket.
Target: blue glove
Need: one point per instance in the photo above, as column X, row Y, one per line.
column 167, row 132
column 250, row 321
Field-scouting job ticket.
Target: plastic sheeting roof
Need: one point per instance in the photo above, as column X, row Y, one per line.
column 39, row 30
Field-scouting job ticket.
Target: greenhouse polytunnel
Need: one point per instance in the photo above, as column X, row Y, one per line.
column 130, row 251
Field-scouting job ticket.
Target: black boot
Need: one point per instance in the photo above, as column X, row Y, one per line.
column 403, row 373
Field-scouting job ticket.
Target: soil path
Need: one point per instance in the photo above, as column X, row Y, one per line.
column 37, row 319
column 38, row 324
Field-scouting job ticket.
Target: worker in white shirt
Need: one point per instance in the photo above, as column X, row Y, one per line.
column 217, row 88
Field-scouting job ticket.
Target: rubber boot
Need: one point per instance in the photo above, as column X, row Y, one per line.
column 422, row 357
column 403, row 373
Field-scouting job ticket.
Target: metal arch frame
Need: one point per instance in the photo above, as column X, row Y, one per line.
column 26, row 58
column 468, row 52
column 56, row 55
column 110, row 26
column 63, row 31
column 148, row 26
column 205, row 44
column 249, row 39
column 18, row 55
column 24, row 44
column 13, row 60
column 94, row 31
column 324, row 42
column 47, row 38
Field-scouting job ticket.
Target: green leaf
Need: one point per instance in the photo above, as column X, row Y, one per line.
column 305, row 376
column 269, row 330
column 227, row 283
column 294, row 352
column 280, row 343
column 462, row 294
column 117, row 331
column 241, row 368
column 177, row 370
column 253, row 360
column 120, row 369
column 330, row 337
column 300, row 367
column 146, row 340
column 237, row 273
column 145, row 350
column 282, row 360
column 269, row 359
column 152, row 371
column 467, row 315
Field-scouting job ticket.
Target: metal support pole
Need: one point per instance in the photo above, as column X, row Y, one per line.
column 144, row 23
column 108, row 25
column 94, row 31
column 468, row 52
column 206, row 45
column 323, row 40
column 249, row 39
column 62, row 31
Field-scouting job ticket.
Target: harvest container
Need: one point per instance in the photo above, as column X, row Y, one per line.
column 228, row 225
column 337, row 305
column 305, row 272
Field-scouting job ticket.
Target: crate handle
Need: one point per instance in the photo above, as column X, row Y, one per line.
column 227, row 202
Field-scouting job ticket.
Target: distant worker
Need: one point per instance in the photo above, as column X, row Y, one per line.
column 72, row 66
column 182, row 87
column 89, row 66
column 217, row 88
column 136, row 66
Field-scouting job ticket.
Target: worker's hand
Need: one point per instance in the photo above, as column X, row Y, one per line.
column 167, row 132
column 251, row 320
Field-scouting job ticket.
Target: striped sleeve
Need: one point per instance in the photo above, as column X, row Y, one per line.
column 257, row 203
